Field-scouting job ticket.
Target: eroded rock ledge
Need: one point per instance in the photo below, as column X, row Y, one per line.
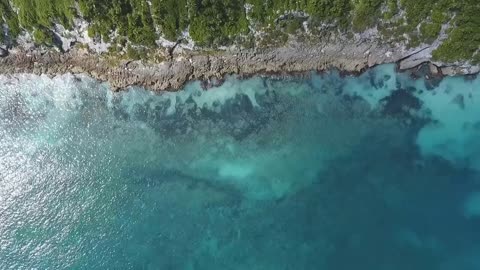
column 184, row 66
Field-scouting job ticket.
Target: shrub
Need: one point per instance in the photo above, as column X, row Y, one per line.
column 42, row 37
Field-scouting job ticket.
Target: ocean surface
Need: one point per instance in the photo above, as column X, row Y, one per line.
column 376, row 172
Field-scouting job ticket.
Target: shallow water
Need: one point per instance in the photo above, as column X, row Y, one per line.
column 373, row 172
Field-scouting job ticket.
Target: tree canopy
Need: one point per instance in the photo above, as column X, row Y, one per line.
column 212, row 23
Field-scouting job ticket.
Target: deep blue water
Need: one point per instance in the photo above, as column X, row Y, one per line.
column 379, row 171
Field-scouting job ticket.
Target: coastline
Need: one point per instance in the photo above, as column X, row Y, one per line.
column 182, row 66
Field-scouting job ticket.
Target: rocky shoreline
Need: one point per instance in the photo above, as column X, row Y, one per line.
column 183, row 66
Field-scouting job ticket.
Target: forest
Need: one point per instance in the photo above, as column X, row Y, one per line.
column 213, row 23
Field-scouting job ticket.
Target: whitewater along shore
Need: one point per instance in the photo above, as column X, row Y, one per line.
column 181, row 66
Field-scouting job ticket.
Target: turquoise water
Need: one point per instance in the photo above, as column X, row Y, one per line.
column 325, row 172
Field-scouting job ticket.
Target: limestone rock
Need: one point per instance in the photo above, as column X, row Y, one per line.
column 173, row 73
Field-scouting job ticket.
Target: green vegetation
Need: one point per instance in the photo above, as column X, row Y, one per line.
column 35, row 13
column 292, row 25
column 135, row 25
column 171, row 16
column 42, row 37
column 392, row 9
column 367, row 13
column 463, row 41
column 216, row 22
column 430, row 31
column 10, row 19
column 129, row 18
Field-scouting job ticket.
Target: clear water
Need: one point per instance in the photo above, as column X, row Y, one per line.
column 373, row 172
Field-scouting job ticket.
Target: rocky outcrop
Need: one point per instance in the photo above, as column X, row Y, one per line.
column 181, row 67
column 3, row 52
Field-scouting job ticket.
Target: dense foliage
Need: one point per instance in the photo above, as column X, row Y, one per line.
column 212, row 23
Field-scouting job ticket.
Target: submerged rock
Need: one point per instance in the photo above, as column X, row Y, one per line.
column 400, row 103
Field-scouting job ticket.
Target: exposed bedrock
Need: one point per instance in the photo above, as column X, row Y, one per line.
column 184, row 66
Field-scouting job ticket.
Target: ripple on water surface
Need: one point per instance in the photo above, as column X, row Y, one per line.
column 327, row 172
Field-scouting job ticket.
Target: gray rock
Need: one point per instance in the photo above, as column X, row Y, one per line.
column 182, row 66
column 434, row 70
column 3, row 52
